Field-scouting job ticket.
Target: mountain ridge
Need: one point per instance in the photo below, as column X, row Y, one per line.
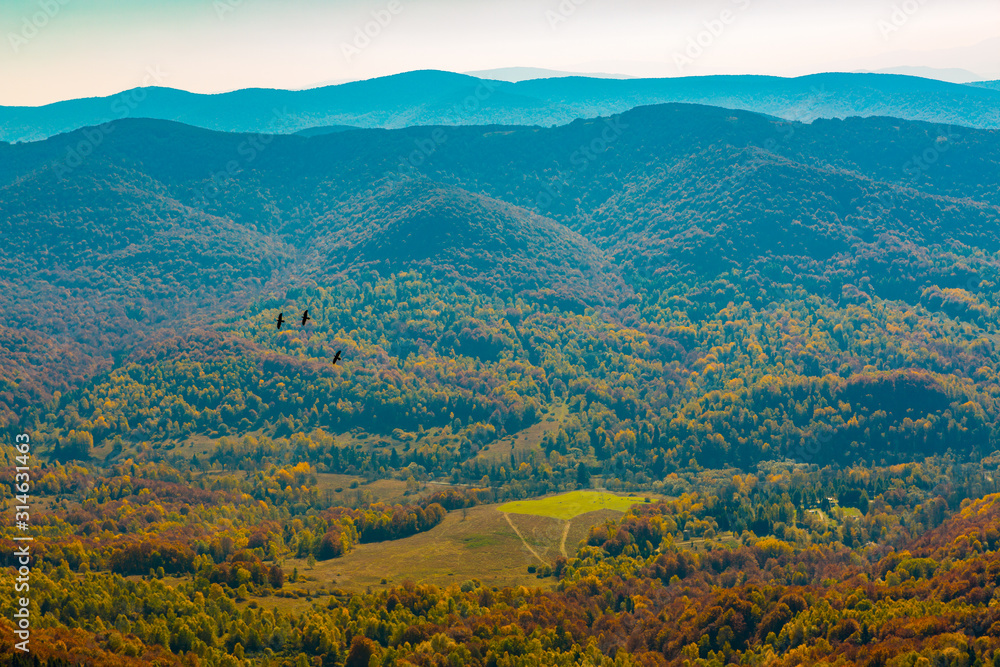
column 133, row 241
column 433, row 97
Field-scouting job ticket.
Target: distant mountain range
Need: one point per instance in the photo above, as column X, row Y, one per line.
column 951, row 74
column 515, row 74
column 443, row 98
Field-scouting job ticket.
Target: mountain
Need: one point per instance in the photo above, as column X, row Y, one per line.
column 163, row 227
column 676, row 188
column 515, row 74
column 485, row 242
column 951, row 74
column 442, row 98
column 980, row 57
column 740, row 373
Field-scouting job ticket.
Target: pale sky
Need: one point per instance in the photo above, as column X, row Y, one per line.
column 62, row 49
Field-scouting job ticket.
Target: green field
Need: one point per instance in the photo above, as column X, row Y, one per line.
column 570, row 505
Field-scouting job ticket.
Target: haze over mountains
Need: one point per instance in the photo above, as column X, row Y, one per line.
column 952, row 75
column 781, row 336
column 442, row 98
column 183, row 224
column 515, row 74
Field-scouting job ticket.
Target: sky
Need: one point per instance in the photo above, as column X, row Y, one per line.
column 63, row 49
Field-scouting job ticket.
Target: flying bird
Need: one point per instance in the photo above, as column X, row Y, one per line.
column 305, row 318
column 336, row 358
column 281, row 319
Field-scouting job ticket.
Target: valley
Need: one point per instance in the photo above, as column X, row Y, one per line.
column 727, row 393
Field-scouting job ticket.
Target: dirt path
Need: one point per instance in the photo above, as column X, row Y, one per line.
column 523, row 541
column 562, row 542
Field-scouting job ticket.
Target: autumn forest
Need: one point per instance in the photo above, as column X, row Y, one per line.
column 774, row 342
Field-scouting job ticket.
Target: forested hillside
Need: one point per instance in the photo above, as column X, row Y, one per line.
column 783, row 336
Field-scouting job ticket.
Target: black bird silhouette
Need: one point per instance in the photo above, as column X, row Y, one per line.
column 281, row 319
column 336, row 358
column 305, row 318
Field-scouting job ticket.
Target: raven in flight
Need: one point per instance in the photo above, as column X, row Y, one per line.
column 336, row 358
column 305, row 318
column 281, row 319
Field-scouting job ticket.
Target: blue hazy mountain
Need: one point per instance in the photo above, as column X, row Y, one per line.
column 444, row 98
column 951, row 74
column 514, row 74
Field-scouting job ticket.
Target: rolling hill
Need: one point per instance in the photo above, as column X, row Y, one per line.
column 164, row 227
column 162, row 209
column 444, row 98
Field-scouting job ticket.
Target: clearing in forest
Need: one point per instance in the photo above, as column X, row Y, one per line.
column 570, row 505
